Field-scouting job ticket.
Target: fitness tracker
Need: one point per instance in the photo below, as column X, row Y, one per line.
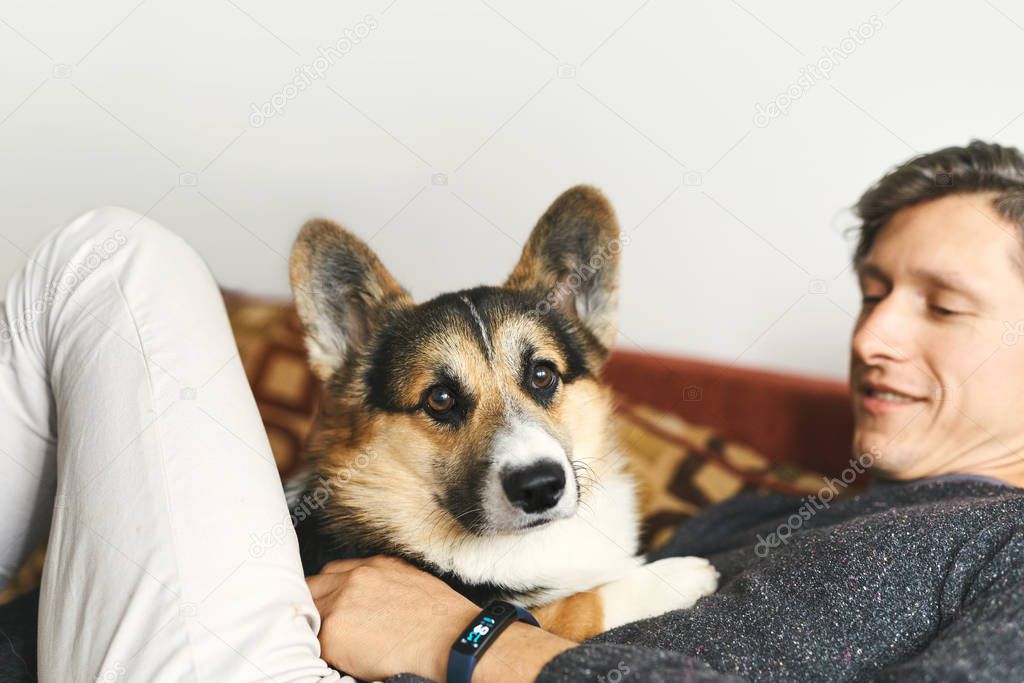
column 479, row 635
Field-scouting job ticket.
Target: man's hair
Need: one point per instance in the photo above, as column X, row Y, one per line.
column 978, row 167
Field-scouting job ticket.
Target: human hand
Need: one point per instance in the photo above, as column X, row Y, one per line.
column 381, row 617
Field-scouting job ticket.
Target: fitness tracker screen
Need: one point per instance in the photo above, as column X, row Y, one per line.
column 480, row 633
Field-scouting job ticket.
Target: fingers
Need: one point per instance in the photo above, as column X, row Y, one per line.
column 332, row 575
column 321, row 584
column 340, row 566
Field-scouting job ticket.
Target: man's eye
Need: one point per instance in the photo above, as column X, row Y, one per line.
column 870, row 300
column 942, row 312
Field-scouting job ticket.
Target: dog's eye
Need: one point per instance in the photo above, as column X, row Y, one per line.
column 542, row 376
column 440, row 400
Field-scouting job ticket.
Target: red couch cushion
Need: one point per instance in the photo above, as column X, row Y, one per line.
column 788, row 418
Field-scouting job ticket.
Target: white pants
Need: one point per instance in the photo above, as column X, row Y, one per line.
column 127, row 426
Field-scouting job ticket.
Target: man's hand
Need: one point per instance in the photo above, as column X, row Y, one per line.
column 381, row 617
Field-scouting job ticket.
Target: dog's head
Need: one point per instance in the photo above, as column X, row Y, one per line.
column 477, row 412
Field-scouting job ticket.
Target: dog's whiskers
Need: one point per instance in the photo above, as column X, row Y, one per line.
column 586, row 477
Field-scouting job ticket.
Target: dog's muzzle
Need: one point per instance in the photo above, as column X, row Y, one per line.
column 530, row 481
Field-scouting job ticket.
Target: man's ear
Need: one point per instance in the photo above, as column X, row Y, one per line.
column 340, row 289
column 572, row 261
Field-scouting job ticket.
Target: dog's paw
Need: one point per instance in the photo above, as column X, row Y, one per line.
column 653, row 589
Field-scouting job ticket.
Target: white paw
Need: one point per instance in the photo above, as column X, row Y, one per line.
column 653, row 589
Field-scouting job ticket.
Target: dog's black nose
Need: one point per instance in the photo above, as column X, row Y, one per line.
column 535, row 488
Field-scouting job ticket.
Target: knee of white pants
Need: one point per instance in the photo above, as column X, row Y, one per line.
column 75, row 261
column 99, row 234
column 111, row 239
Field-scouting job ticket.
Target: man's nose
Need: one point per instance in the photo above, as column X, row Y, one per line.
column 883, row 332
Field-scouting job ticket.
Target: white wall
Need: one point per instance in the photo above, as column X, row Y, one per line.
column 735, row 222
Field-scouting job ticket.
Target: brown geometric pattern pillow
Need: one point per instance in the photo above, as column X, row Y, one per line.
column 682, row 468
column 269, row 337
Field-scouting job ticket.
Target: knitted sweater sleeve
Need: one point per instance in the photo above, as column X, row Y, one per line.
column 982, row 637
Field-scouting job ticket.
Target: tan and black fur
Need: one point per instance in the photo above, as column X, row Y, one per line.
column 471, row 493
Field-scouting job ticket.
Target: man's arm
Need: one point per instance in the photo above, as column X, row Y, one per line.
column 382, row 617
column 984, row 639
column 984, row 643
column 610, row 663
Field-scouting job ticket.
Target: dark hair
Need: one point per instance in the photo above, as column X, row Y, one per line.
column 978, row 167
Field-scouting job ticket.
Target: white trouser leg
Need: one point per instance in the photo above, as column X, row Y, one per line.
column 124, row 408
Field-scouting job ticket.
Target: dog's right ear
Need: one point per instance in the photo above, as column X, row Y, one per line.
column 340, row 288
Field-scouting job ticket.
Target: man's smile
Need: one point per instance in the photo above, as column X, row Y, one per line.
column 877, row 398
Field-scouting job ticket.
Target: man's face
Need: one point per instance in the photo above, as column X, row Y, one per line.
column 937, row 358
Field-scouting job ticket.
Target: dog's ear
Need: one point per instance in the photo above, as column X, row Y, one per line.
column 340, row 289
column 572, row 261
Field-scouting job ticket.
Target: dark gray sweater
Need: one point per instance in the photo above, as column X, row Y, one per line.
column 921, row 581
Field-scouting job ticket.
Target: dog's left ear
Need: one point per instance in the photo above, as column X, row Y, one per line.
column 572, row 261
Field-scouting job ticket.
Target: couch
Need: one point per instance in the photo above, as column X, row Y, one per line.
column 695, row 432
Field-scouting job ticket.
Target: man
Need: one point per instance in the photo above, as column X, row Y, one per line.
column 920, row 578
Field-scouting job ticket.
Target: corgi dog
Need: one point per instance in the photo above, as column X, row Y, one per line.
column 471, row 434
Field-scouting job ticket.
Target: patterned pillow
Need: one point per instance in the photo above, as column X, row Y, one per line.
column 682, row 468
column 269, row 337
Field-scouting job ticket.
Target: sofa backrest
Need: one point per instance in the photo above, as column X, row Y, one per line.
column 788, row 418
